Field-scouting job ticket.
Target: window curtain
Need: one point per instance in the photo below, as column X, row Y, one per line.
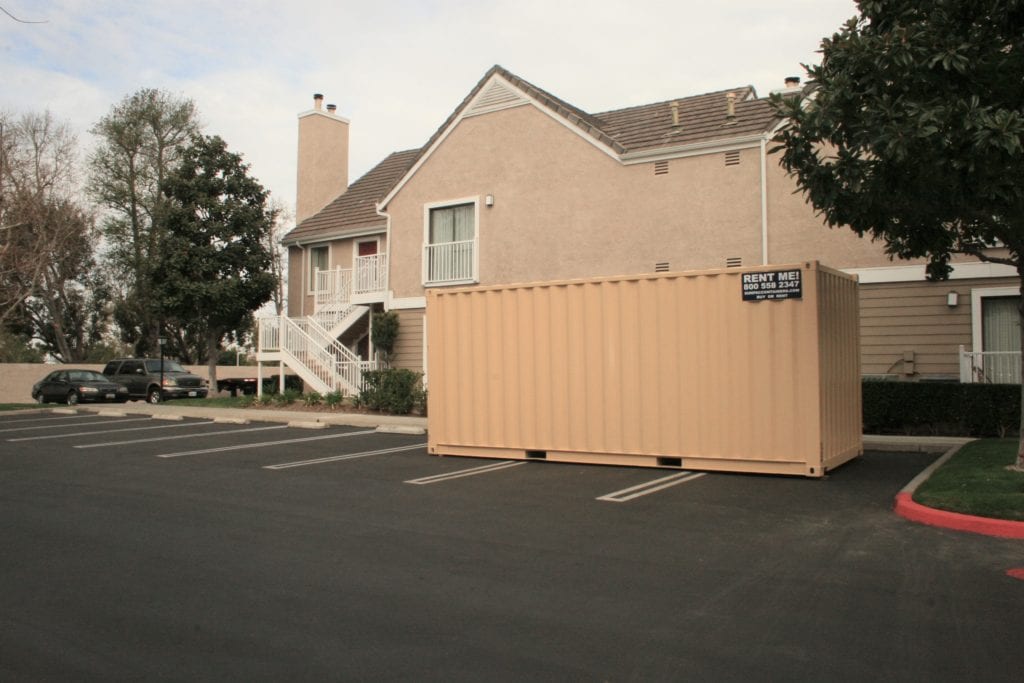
column 452, row 224
column 1000, row 324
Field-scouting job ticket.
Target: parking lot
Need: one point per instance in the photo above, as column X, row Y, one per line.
column 136, row 547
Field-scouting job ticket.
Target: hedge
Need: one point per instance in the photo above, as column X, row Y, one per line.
column 941, row 409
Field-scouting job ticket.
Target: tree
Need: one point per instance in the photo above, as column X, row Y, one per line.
column 913, row 131
column 213, row 267
column 284, row 219
column 140, row 140
column 46, row 247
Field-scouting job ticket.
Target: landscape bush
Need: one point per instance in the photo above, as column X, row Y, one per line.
column 940, row 408
column 395, row 391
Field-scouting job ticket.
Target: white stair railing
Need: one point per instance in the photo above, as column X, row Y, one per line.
column 322, row 358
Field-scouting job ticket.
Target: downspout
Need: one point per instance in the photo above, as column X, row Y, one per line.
column 303, row 283
column 764, row 199
column 387, row 252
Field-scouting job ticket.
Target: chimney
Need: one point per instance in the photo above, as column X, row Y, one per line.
column 792, row 82
column 322, row 159
column 675, row 114
column 730, row 106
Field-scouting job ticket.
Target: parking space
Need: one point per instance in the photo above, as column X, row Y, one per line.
column 257, row 551
column 278, row 447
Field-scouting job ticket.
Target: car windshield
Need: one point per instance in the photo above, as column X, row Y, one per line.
column 86, row 376
column 169, row 366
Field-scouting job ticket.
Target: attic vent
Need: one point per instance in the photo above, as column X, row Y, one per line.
column 661, row 267
column 733, row 262
column 661, row 168
column 495, row 96
column 732, row 158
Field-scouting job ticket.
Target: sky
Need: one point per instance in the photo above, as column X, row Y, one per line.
column 395, row 69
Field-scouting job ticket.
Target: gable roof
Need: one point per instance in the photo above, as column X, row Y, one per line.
column 356, row 209
column 629, row 132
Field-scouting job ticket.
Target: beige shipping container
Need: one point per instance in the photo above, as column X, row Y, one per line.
column 743, row 370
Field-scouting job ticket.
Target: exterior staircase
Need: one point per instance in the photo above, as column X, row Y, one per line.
column 310, row 345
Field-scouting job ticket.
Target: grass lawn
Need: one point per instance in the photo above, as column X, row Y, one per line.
column 18, row 406
column 975, row 481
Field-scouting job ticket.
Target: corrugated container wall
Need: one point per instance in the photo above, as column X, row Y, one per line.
column 712, row 370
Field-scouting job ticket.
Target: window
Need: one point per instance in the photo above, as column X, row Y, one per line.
column 995, row 326
column 451, row 240
column 318, row 258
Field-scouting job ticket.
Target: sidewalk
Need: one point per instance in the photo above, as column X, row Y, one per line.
column 295, row 418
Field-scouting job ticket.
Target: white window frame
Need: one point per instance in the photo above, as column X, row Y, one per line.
column 977, row 295
column 310, row 275
column 427, row 208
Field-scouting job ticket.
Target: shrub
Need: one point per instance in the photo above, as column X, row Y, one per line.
column 334, row 399
column 941, row 408
column 395, row 390
column 385, row 332
column 289, row 397
column 313, row 398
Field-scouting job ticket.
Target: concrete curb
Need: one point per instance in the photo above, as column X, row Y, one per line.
column 308, row 420
column 915, row 512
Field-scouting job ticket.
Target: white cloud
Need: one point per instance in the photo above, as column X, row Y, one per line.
column 396, row 69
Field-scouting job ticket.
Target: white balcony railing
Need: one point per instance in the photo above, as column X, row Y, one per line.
column 992, row 367
column 336, row 286
column 449, row 262
column 371, row 274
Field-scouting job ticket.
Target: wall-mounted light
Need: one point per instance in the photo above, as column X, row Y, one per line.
column 489, row 200
column 952, row 299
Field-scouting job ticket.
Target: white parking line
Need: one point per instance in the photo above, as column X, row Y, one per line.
column 104, row 431
column 181, row 436
column 483, row 469
column 349, row 456
column 262, row 444
column 651, row 487
column 67, row 423
column 34, row 419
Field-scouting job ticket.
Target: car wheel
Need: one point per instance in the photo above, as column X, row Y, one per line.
column 72, row 399
column 40, row 398
column 154, row 396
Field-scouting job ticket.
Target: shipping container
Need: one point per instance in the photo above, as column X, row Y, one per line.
column 738, row 369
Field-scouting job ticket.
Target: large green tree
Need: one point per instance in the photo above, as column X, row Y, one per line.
column 214, row 270
column 140, row 140
column 913, row 131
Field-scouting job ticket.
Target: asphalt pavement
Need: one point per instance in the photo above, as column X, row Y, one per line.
column 192, row 550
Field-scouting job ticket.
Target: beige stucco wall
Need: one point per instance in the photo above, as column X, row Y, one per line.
column 16, row 379
column 564, row 209
column 322, row 162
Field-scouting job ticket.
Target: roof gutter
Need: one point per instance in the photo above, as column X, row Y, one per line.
column 327, row 237
column 695, row 149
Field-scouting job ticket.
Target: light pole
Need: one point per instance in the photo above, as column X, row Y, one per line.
column 161, row 341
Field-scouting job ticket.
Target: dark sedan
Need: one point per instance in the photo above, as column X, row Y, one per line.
column 74, row 386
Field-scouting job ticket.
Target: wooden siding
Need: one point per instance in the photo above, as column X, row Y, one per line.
column 900, row 317
column 409, row 345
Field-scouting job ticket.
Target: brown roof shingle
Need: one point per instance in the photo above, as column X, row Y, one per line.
column 356, row 209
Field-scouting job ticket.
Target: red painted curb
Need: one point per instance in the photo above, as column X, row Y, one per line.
column 915, row 512
column 1016, row 573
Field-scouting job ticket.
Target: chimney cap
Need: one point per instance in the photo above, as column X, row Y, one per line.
column 792, row 80
column 332, row 108
column 318, row 100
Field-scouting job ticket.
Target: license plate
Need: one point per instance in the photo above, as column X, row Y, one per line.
column 191, row 393
column 110, row 396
